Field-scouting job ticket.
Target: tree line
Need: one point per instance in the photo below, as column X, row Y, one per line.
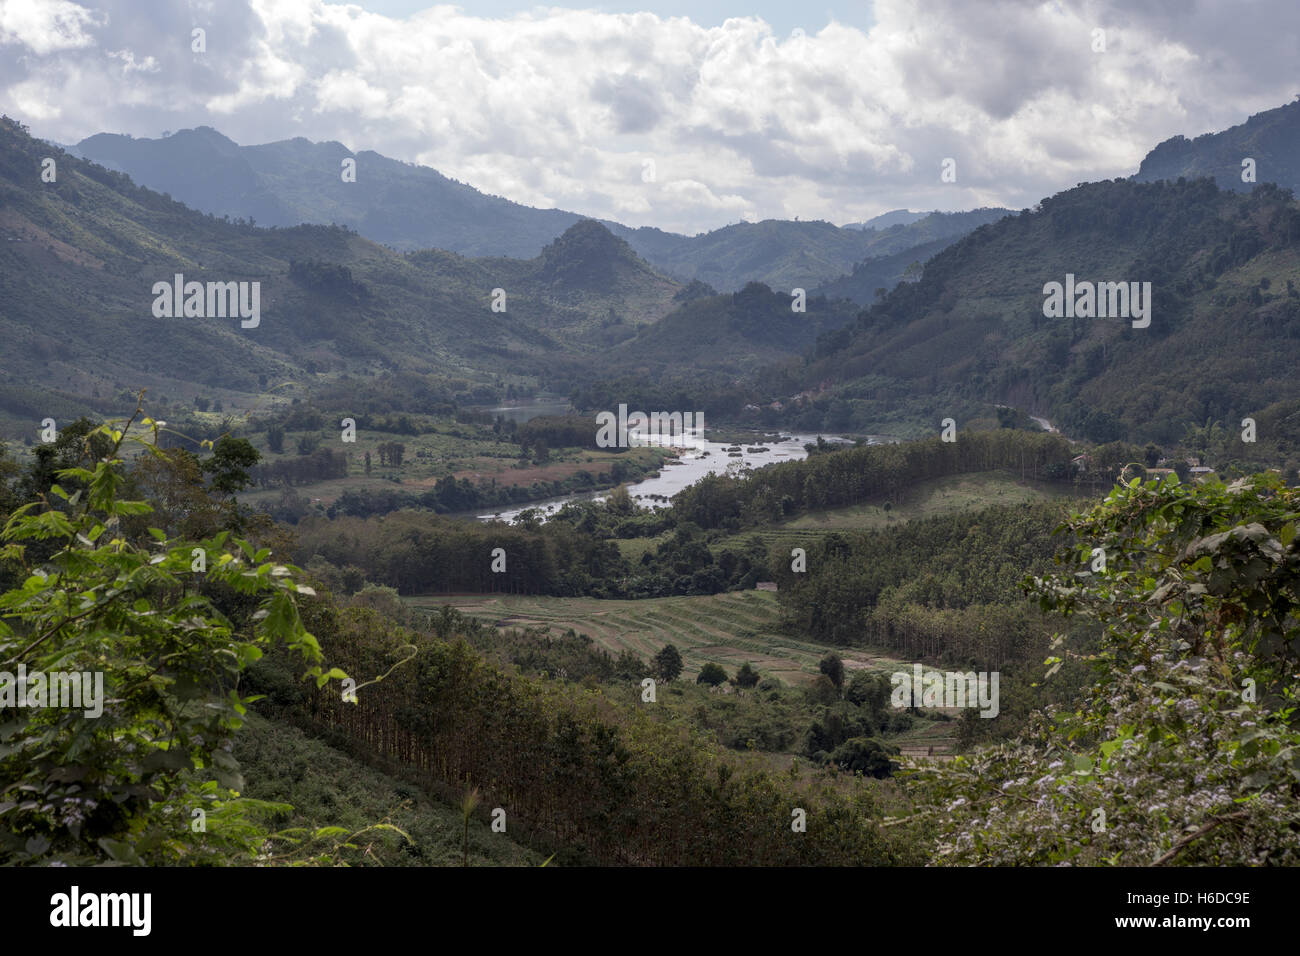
column 321, row 465
column 865, row 473
column 570, row 769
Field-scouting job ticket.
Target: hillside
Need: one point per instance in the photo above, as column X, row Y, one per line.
column 898, row 247
column 782, row 254
column 735, row 333
column 88, row 249
column 1271, row 139
column 1224, row 270
column 808, row 255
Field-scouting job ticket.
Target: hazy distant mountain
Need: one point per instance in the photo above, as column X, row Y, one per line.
column 779, row 253
column 412, row 207
column 80, row 259
column 883, row 272
column 1271, row 139
column 297, row 181
column 895, row 217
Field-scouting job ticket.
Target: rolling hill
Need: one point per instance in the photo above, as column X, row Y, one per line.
column 897, row 247
column 731, row 334
column 296, row 181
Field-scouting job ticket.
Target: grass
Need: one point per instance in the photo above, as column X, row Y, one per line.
column 928, row 737
column 633, row 548
column 727, row 629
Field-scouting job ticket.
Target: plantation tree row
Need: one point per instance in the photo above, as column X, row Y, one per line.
column 857, row 586
column 321, row 465
column 420, row 553
column 569, row 766
column 859, row 474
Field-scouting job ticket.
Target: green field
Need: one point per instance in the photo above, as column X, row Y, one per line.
column 728, row 629
column 733, row 628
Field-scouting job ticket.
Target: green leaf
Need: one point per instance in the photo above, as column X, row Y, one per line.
column 37, row 845
column 172, row 759
column 120, row 852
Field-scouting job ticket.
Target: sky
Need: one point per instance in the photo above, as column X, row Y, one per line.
column 683, row 115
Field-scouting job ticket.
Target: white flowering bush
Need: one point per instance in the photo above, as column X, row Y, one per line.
column 1186, row 749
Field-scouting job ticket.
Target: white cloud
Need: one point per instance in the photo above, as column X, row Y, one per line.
column 45, row 26
column 131, row 65
column 559, row 107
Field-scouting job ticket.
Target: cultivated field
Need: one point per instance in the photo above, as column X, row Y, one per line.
column 728, row 629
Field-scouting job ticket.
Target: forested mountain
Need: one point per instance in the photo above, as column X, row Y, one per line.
column 1271, row 139
column 411, row 207
column 733, row 333
column 782, row 254
column 82, row 255
column 896, row 249
column 1224, row 274
column 351, row 516
column 788, row 255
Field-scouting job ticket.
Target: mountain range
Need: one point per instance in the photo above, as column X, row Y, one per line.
column 971, row 328
column 410, row 207
column 82, row 254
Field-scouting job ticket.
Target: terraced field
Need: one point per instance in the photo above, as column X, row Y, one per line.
column 728, row 629
column 929, row 738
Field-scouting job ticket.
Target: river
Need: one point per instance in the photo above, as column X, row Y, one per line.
column 701, row 458
column 529, row 410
